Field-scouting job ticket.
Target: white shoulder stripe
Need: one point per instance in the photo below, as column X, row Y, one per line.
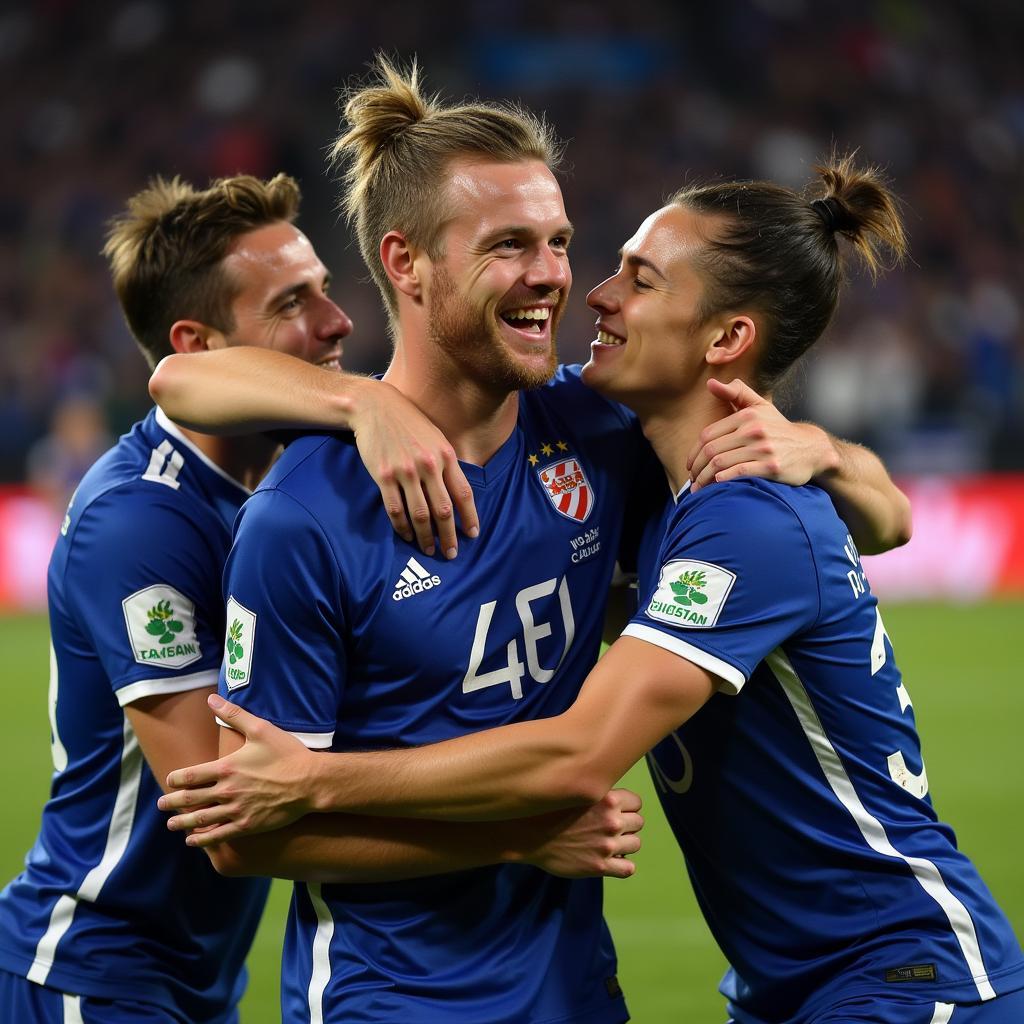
column 924, row 871
column 320, row 974
column 118, row 833
column 165, row 462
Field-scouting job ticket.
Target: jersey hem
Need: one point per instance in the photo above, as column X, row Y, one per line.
column 165, row 685
column 63, row 980
column 962, row 992
column 732, row 678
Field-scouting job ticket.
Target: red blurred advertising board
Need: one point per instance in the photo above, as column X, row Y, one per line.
column 968, row 543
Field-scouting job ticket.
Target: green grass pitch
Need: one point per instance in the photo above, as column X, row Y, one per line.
column 960, row 665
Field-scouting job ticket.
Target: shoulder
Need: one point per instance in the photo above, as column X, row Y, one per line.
column 752, row 524
column 317, row 465
column 756, row 507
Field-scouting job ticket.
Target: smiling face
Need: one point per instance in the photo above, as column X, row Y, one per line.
column 498, row 290
column 651, row 341
column 281, row 299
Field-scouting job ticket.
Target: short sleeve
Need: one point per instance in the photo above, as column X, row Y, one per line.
column 284, row 650
column 143, row 580
column 735, row 578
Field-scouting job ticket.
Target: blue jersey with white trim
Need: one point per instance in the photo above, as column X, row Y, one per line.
column 110, row 903
column 798, row 793
column 344, row 634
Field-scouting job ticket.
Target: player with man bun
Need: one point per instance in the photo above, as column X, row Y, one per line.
column 757, row 665
column 461, row 221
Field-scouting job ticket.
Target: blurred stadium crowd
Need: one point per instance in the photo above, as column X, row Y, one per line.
column 928, row 367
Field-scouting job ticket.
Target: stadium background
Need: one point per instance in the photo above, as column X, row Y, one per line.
column 928, row 367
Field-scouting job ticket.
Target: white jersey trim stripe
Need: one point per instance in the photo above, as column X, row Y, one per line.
column 732, row 678
column 320, row 974
column 943, row 1013
column 926, row 873
column 72, row 1009
column 313, row 740
column 166, row 685
column 118, row 833
column 172, row 428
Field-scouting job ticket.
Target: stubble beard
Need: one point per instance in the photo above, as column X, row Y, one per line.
column 474, row 344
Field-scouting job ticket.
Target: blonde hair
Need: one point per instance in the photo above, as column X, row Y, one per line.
column 398, row 146
column 165, row 251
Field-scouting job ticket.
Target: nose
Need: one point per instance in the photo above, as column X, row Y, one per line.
column 602, row 298
column 335, row 322
column 549, row 270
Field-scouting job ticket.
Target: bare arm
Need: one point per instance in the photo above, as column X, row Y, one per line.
column 523, row 769
column 757, row 440
column 246, row 390
column 577, row 843
column 173, row 727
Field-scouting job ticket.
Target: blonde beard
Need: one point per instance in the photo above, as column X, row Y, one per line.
column 473, row 343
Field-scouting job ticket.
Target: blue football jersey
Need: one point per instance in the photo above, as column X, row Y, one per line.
column 349, row 637
column 798, row 793
column 110, row 903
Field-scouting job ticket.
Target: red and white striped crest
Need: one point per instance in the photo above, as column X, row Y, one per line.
column 567, row 486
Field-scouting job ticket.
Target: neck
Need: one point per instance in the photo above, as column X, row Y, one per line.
column 245, row 459
column 673, row 425
column 477, row 421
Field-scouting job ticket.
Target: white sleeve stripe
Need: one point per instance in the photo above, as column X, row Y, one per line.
column 166, row 685
column 313, row 740
column 732, row 678
column 924, row 871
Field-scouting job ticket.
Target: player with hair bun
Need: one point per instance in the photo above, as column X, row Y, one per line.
column 461, row 221
column 757, row 669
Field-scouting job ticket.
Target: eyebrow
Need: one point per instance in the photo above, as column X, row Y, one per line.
column 524, row 230
column 278, row 297
column 641, row 261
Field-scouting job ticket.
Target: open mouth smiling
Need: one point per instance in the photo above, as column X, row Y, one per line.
column 528, row 319
column 609, row 340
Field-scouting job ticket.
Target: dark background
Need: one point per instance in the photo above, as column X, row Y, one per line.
column 927, row 367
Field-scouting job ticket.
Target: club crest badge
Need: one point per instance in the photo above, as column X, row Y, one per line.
column 566, row 484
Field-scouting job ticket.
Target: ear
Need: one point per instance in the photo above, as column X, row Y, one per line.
column 735, row 340
column 193, row 336
column 402, row 264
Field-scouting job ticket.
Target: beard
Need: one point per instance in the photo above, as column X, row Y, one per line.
column 474, row 344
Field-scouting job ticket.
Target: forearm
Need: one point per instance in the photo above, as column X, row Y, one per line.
column 245, row 390
column 518, row 770
column 872, row 506
column 339, row 848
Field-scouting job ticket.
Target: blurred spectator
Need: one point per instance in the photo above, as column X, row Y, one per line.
column 96, row 98
column 78, row 436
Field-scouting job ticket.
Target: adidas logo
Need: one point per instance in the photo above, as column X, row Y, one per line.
column 414, row 580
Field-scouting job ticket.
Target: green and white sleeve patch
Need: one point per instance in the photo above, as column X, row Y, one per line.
column 241, row 635
column 161, row 624
column 691, row 593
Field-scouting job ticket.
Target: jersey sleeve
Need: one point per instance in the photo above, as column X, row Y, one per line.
column 143, row 581
column 285, row 654
column 735, row 578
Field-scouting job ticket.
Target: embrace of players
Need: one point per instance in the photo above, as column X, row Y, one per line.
column 827, row 880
